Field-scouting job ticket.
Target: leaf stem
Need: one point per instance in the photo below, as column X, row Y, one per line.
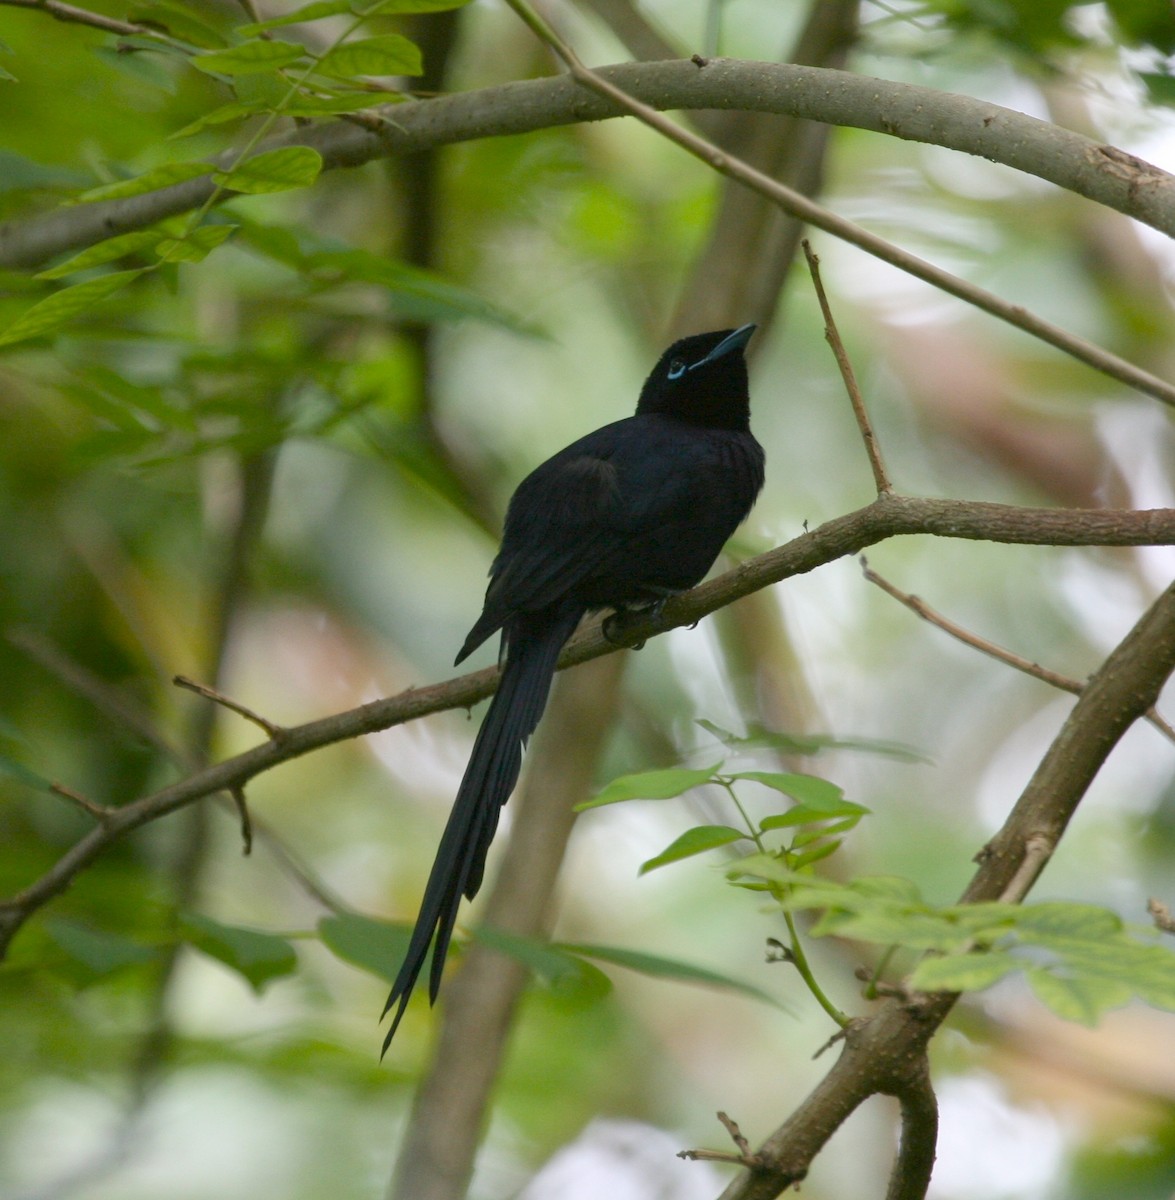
column 780, row 892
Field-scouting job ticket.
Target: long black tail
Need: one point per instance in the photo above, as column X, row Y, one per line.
column 533, row 642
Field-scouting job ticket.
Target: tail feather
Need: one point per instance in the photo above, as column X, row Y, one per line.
column 533, row 643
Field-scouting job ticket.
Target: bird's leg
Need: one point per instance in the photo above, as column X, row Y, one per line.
column 615, row 626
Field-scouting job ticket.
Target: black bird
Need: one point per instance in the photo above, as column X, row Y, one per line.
column 622, row 518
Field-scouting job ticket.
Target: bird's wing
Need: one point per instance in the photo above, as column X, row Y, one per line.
column 570, row 517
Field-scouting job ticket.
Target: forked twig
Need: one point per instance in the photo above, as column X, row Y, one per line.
column 274, row 731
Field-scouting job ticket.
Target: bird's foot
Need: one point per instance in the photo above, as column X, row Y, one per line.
column 618, row 625
column 615, row 627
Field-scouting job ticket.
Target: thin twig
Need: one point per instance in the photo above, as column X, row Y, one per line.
column 917, row 605
column 238, row 795
column 100, row 812
column 276, row 732
column 119, row 709
column 82, row 16
column 832, row 334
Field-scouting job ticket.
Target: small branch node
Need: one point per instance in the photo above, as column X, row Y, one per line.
column 1038, row 847
column 1161, row 915
column 100, row 812
column 744, row 1158
column 777, row 952
column 273, row 731
column 839, row 1035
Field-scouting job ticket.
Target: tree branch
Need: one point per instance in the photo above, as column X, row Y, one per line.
column 1070, row 160
column 888, row 516
column 886, row 1053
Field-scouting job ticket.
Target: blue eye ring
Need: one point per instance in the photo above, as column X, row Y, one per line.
column 677, row 368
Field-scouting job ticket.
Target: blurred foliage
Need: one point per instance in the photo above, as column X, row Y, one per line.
column 385, row 399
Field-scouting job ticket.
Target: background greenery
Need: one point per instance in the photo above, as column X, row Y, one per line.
column 259, row 471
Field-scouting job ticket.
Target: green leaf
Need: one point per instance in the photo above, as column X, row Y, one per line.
column 104, row 252
column 63, row 306
column 650, row 785
column 1061, row 919
column 99, row 952
column 299, row 16
column 259, row 957
column 388, row 54
column 813, row 835
column 344, row 102
column 273, row 171
column 1160, row 87
column 811, row 743
column 818, row 794
column 179, row 19
column 382, row 7
column 564, row 973
column 1082, row 999
column 964, row 972
column 249, row 58
column 150, row 181
column 375, row 946
column 232, row 111
column 693, row 841
column 816, row 853
column 804, row 814
column 196, row 245
column 667, row 968
column 916, row 930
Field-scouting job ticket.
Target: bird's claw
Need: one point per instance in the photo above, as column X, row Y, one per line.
column 614, row 631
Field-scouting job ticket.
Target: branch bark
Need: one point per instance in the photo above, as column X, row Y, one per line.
column 1079, row 164
column 888, row 516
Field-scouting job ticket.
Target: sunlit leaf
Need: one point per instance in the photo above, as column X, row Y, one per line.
column 1082, row 999
column 818, row 794
column 963, row 972
column 273, row 171
column 650, row 785
column 387, row 54
column 804, row 814
column 693, row 841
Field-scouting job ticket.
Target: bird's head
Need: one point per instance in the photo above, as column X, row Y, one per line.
column 702, row 379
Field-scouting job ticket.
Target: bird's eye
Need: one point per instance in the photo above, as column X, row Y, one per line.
column 676, row 368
